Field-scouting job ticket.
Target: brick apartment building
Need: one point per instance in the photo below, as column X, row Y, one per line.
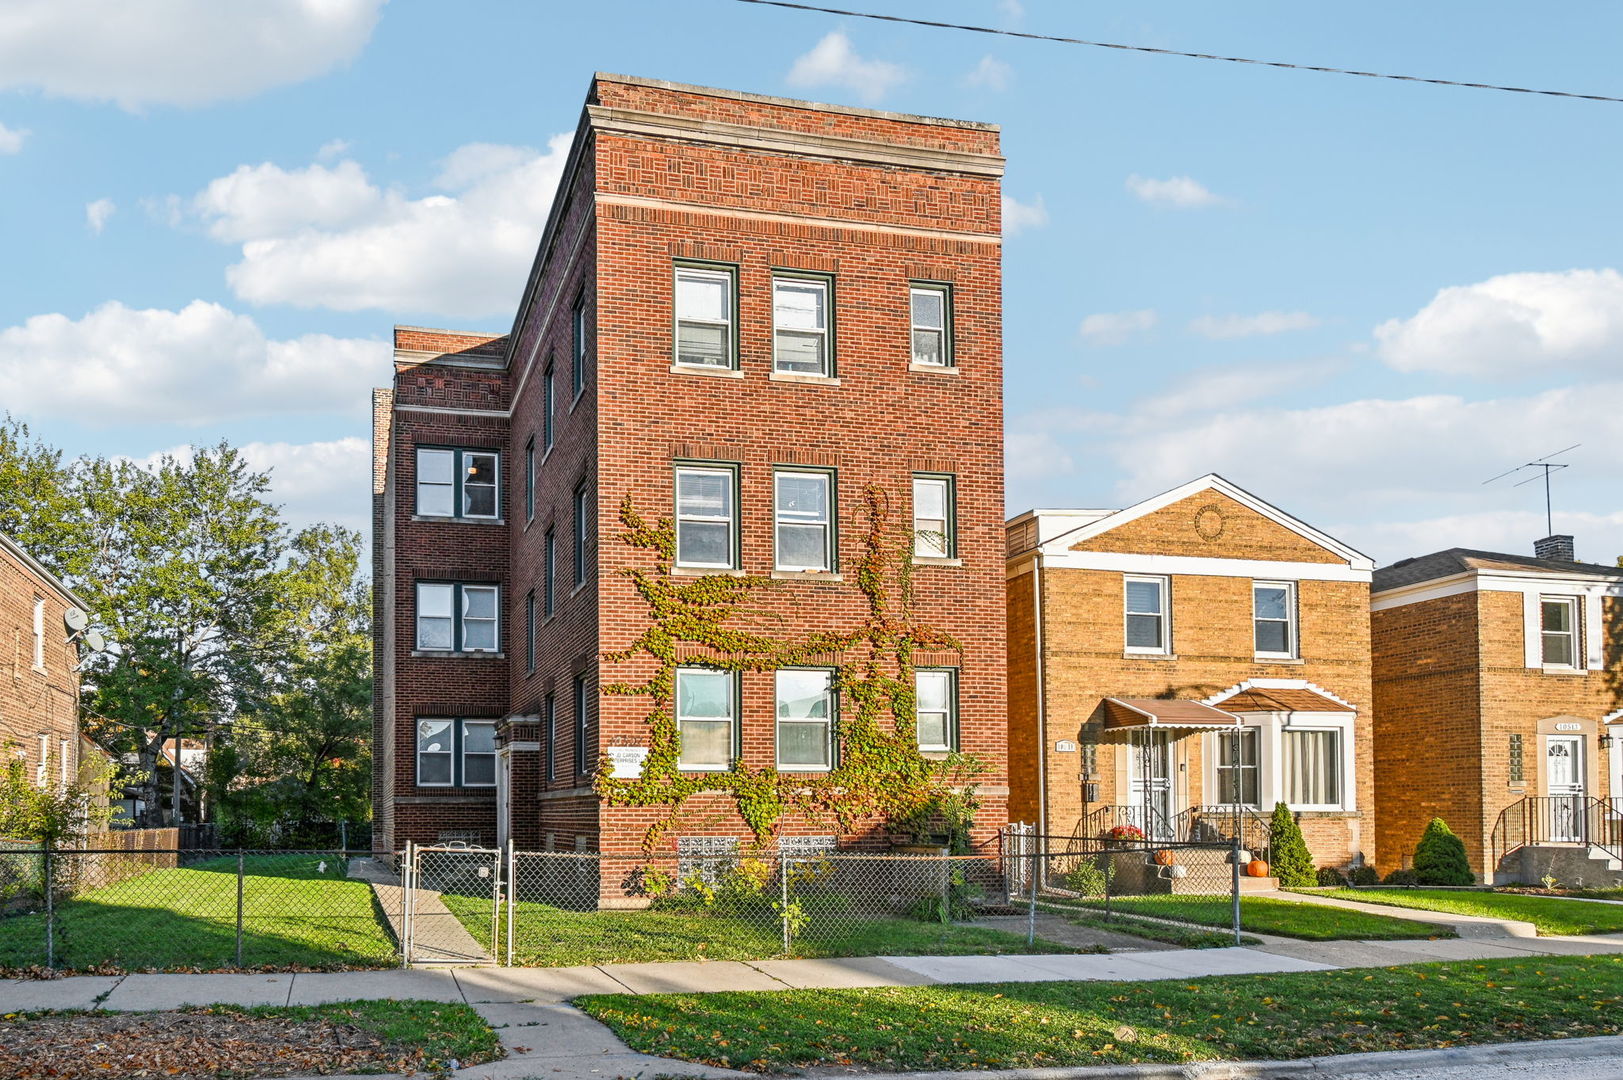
column 1199, row 650
column 755, row 319
column 39, row 707
column 1496, row 677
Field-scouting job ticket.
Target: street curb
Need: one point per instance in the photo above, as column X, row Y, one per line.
column 1314, row 1067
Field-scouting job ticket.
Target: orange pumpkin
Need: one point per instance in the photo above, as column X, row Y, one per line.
column 1165, row 857
column 1257, row 868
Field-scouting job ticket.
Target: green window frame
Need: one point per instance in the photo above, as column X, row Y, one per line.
column 929, row 336
column 786, row 330
column 691, row 522
column 703, row 322
column 450, row 614
column 459, row 482
column 927, row 527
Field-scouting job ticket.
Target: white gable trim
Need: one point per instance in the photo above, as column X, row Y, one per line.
column 1199, row 565
column 1277, row 684
column 1211, row 482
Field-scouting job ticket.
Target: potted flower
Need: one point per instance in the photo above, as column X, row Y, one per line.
column 1124, row 835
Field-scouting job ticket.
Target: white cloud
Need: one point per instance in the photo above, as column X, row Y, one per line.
column 990, row 74
column 194, row 365
column 327, row 236
column 1180, row 191
column 332, row 148
column 832, row 62
column 1223, row 327
column 176, row 52
column 1597, row 537
column 11, row 139
column 1115, row 327
column 1014, row 9
column 1226, row 387
column 1514, row 324
column 313, row 482
column 1031, row 455
column 1019, row 216
column 97, row 213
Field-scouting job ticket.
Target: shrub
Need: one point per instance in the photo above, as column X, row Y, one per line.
column 1439, row 858
column 1402, row 877
column 1092, row 875
column 1292, row 864
column 1330, row 876
column 1365, row 876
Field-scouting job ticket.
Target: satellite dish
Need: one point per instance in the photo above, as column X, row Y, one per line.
column 94, row 641
column 75, row 619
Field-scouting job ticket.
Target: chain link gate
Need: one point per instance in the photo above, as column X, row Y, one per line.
column 451, row 898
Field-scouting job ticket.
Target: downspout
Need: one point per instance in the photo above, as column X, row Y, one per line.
column 1042, row 711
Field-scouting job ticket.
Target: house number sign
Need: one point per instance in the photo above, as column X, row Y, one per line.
column 627, row 761
column 1065, row 746
column 1568, row 725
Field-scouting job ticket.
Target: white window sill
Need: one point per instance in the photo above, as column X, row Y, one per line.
column 712, row 372
column 933, row 369
column 1562, row 669
column 37, row 670
column 806, row 575
column 705, row 571
column 935, row 560
column 454, row 654
column 1261, row 659
column 804, row 770
column 453, row 519
column 801, row 377
column 702, row 768
column 1134, row 654
column 934, row 752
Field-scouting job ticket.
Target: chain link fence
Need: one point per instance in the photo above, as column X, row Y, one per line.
column 175, row 910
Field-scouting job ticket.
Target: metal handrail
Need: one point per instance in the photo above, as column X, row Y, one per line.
column 1557, row 819
column 1217, row 822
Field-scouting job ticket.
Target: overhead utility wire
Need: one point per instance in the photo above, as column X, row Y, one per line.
column 1176, row 52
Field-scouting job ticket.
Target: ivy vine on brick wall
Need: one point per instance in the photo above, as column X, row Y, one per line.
column 709, row 621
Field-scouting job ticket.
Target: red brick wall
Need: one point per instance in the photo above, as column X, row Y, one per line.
column 35, row 702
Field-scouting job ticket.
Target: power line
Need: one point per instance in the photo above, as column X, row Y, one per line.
column 1175, row 52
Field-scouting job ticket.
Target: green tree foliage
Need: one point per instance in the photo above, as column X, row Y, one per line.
column 1439, row 858
column 39, row 504
column 54, row 812
column 1292, row 864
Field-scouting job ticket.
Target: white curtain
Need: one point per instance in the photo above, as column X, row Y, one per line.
column 1313, row 768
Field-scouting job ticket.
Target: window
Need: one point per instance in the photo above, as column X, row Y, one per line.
column 549, row 560
column 549, row 405
column 456, row 618
column 1559, row 624
column 800, row 338
column 1312, row 767
column 64, row 763
column 1273, row 613
column 577, row 344
column 478, row 753
column 581, row 758
column 42, row 770
column 706, row 517
column 936, row 709
column 580, row 534
column 931, row 308
column 529, row 630
column 704, row 317
column 805, row 701
column 456, row 483
column 39, row 634
column 803, row 522
column 1237, row 768
column 529, row 480
column 549, row 721
column 933, row 517
column 456, row 753
column 1146, row 599
column 706, row 703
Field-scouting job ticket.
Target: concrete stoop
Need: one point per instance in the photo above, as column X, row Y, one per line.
column 1572, row 865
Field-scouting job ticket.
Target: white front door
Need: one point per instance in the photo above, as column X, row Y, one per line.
column 504, row 796
column 1150, row 769
column 1564, row 771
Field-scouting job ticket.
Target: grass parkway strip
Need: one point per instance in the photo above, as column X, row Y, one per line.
column 1024, row 1025
column 1552, row 916
column 1265, row 915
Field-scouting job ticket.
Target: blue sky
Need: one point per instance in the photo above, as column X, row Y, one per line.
column 1359, row 299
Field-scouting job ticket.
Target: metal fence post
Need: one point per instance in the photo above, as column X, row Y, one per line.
column 239, row 907
column 783, row 900
column 946, row 889
column 50, row 909
column 1031, row 909
column 409, row 859
column 1234, row 865
column 1107, row 862
column 512, row 895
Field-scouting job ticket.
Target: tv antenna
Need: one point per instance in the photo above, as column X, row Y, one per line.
column 1547, row 466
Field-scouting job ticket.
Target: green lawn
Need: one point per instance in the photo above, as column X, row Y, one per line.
column 1266, row 915
column 546, row 936
column 295, row 915
column 1024, row 1025
column 1552, row 916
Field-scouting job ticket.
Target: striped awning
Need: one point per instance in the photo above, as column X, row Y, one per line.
column 1163, row 712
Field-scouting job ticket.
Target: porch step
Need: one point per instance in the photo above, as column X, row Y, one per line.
column 1573, row 865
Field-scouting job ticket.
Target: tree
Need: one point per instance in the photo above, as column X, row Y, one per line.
column 1292, row 864
column 1439, row 858
column 54, row 811
column 39, row 504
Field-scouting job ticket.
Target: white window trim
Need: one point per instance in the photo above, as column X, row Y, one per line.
column 732, row 519
column 828, row 726
column 1164, row 585
column 1292, row 644
column 1271, row 759
column 462, row 753
column 945, row 329
column 826, row 369
column 417, row 752
column 495, row 619
column 39, row 634
column 729, row 281
column 827, row 524
column 952, row 720
column 1213, row 752
column 1575, row 604
column 733, row 719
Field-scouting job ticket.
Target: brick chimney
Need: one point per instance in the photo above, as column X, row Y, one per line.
column 1556, row 547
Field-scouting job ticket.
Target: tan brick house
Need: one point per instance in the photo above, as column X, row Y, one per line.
column 746, row 313
column 1496, row 688
column 39, row 678
column 1197, row 652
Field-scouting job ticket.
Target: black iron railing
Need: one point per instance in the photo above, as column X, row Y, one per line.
column 1557, row 819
